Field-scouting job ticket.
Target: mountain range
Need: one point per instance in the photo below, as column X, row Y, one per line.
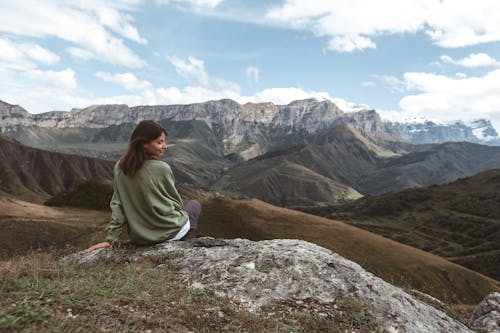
column 305, row 153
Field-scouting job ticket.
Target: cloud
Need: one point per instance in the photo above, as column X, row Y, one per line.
column 21, row 56
column 394, row 84
column 91, row 26
column 65, row 78
column 126, row 80
column 197, row 4
column 444, row 98
column 368, row 84
column 193, row 70
column 473, row 60
column 352, row 25
column 252, row 73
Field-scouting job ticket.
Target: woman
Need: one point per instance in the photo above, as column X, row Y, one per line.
column 145, row 202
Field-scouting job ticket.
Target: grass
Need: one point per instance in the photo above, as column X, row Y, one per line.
column 38, row 295
column 27, row 226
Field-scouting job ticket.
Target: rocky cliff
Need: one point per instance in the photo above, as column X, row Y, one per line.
column 256, row 274
column 249, row 127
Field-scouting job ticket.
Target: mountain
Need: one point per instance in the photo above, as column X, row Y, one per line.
column 427, row 165
column 478, row 131
column 247, row 130
column 308, row 143
column 344, row 158
column 35, row 174
column 459, row 221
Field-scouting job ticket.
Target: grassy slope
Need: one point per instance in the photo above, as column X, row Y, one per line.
column 254, row 219
column 395, row 262
column 286, row 184
column 26, row 226
column 459, row 220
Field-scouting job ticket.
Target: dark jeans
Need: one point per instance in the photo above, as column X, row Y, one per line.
column 193, row 208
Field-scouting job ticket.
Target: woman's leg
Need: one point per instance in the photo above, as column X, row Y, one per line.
column 193, row 208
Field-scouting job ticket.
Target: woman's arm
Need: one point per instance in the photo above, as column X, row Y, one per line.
column 116, row 226
column 97, row 246
column 118, row 223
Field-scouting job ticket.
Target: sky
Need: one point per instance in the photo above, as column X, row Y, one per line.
column 407, row 59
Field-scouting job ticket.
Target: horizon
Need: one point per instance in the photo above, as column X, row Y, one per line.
column 419, row 120
column 433, row 59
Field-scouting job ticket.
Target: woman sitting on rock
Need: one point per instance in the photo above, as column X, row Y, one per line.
column 145, row 202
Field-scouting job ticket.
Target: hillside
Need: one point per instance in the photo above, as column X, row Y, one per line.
column 459, row 220
column 35, row 174
column 428, row 165
column 41, row 226
column 394, row 262
column 28, row 226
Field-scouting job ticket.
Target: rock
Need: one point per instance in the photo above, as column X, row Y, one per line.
column 487, row 314
column 254, row 274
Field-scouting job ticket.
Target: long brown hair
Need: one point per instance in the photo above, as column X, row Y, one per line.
column 132, row 161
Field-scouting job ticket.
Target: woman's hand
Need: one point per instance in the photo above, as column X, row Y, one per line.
column 97, row 246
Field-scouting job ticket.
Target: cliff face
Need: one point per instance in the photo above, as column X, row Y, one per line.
column 256, row 274
column 249, row 126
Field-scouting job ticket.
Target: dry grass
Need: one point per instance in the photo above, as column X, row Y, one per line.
column 28, row 226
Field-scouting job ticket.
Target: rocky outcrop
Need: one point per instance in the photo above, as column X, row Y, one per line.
column 487, row 314
column 255, row 274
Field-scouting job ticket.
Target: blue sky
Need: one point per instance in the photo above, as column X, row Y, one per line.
column 406, row 59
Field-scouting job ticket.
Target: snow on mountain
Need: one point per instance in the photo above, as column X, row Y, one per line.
column 483, row 129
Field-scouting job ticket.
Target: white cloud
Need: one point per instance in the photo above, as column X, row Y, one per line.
column 350, row 43
column 65, row 78
column 473, row 60
column 82, row 23
column 393, row 83
column 21, row 56
column 197, row 4
column 192, row 70
column 351, row 25
column 79, row 53
column 252, row 73
column 447, row 98
column 126, row 80
column 119, row 23
column 283, row 95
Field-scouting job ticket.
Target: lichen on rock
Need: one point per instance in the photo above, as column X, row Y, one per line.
column 256, row 274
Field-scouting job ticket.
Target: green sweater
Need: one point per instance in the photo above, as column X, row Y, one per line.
column 147, row 206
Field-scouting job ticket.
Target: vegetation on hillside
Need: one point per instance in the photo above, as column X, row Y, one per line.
column 458, row 220
column 94, row 193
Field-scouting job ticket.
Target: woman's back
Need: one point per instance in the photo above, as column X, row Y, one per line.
column 150, row 202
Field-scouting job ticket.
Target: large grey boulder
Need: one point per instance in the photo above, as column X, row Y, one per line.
column 254, row 274
column 487, row 314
